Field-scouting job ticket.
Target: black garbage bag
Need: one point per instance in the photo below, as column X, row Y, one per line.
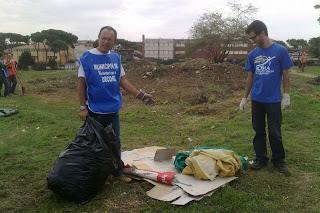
column 83, row 167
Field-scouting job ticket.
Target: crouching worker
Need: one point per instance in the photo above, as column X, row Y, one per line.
column 100, row 77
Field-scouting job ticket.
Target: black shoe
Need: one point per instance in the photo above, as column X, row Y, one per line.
column 256, row 165
column 282, row 167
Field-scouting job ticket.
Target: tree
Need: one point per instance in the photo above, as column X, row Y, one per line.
column 52, row 35
column 281, row 42
column 25, row 60
column 215, row 35
column 50, row 38
column 317, row 6
column 14, row 40
column 57, row 46
column 314, row 46
column 37, row 38
column 125, row 44
column 297, row 44
column 2, row 46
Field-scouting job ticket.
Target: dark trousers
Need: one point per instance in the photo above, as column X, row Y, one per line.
column 114, row 120
column 4, row 81
column 12, row 83
column 271, row 112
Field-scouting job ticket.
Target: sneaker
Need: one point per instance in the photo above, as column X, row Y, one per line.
column 282, row 167
column 256, row 165
column 123, row 178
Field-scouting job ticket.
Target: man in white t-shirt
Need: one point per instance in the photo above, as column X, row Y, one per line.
column 100, row 77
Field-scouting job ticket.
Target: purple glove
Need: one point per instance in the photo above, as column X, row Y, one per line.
column 145, row 98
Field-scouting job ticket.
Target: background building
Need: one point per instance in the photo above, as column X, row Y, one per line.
column 163, row 48
column 175, row 48
column 41, row 53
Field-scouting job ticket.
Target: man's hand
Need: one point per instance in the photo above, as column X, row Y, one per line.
column 83, row 114
column 285, row 102
column 145, row 98
column 243, row 104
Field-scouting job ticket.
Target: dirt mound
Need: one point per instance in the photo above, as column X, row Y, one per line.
column 193, row 82
column 198, row 86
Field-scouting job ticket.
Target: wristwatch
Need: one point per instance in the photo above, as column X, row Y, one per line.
column 83, row 107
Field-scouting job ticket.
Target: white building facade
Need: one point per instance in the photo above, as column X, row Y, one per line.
column 163, row 48
column 159, row 48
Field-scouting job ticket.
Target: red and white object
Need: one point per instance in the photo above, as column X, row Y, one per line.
column 160, row 177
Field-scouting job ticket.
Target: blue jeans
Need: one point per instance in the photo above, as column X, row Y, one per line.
column 272, row 113
column 114, row 120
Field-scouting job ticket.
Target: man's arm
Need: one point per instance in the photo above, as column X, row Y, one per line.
column 286, row 81
column 126, row 85
column 249, row 81
column 82, row 98
column 139, row 94
column 248, row 84
column 82, row 91
column 285, row 102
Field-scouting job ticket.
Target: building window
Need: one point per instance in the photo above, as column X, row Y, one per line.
column 180, row 44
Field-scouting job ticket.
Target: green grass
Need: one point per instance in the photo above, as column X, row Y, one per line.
column 48, row 120
column 312, row 69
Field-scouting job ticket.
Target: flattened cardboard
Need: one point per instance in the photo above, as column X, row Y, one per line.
column 191, row 188
column 197, row 187
column 165, row 192
column 186, row 198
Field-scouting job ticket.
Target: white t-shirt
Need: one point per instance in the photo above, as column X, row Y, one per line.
column 96, row 52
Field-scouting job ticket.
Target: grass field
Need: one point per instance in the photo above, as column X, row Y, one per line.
column 312, row 69
column 48, row 120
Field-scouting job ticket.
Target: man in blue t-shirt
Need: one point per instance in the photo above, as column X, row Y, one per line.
column 100, row 77
column 267, row 66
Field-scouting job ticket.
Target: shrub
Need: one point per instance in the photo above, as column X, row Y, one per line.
column 53, row 64
column 25, row 60
column 39, row 66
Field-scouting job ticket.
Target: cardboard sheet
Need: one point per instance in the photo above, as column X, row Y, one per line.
column 187, row 188
column 197, row 187
column 165, row 192
column 186, row 198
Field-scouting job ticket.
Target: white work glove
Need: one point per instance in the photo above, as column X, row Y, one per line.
column 243, row 104
column 285, row 102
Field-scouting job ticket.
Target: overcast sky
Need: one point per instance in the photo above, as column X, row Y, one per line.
column 155, row 18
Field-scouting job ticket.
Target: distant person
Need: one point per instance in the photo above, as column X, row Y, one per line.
column 12, row 78
column 100, row 77
column 303, row 61
column 4, row 79
column 267, row 65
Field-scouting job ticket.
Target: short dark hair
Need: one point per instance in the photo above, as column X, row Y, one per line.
column 108, row 28
column 257, row 27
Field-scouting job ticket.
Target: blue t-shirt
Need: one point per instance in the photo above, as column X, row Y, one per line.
column 267, row 65
column 102, row 75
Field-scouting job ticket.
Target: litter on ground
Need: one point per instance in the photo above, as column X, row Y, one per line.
column 169, row 184
column 5, row 112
